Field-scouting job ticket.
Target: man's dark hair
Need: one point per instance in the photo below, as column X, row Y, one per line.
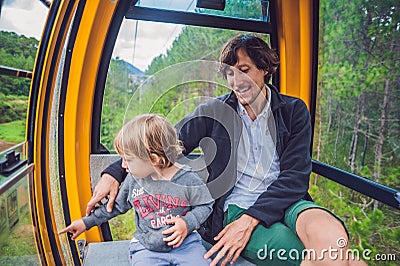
column 257, row 49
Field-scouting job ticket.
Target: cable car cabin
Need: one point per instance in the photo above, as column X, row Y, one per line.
column 101, row 62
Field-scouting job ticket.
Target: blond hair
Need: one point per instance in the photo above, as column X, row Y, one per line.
column 148, row 135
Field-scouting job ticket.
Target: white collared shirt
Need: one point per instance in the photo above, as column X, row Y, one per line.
column 258, row 161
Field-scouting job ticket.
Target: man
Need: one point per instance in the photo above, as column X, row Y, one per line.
column 259, row 176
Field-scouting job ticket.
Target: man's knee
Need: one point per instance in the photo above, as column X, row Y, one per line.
column 318, row 225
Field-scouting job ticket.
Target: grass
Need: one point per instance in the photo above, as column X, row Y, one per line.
column 13, row 131
column 123, row 226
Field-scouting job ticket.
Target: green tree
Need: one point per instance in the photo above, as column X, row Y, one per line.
column 16, row 51
column 359, row 97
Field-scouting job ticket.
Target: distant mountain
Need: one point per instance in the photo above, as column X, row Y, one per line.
column 131, row 68
column 134, row 70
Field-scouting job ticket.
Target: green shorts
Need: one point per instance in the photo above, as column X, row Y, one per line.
column 293, row 212
column 279, row 243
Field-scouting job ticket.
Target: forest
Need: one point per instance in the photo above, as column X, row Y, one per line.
column 357, row 125
column 17, row 52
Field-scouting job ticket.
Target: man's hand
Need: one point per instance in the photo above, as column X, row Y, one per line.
column 107, row 185
column 178, row 231
column 232, row 240
column 75, row 228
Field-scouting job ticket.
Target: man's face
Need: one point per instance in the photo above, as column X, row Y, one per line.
column 245, row 79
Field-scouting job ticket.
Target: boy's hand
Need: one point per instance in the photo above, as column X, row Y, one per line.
column 178, row 231
column 75, row 228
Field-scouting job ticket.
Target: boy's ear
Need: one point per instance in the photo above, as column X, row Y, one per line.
column 154, row 158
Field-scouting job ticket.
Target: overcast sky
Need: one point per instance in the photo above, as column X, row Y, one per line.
column 27, row 17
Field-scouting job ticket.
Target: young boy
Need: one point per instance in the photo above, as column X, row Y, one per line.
column 170, row 201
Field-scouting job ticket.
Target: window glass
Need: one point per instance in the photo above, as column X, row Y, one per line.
column 357, row 122
column 21, row 24
column 159, row 68
column 156, row 68
column 17, row 243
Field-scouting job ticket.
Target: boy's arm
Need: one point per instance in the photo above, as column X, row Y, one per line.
column 200, row 201
column 201, row 204
column 185, row 225
column 198, row 215
column 101, row 215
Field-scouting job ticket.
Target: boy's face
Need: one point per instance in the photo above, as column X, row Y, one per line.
column 137, row 167
column 245, row 79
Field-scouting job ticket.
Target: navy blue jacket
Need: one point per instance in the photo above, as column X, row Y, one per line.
column 216, row 128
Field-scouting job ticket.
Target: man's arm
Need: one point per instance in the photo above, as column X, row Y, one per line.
column 193, row 128
column 116, row 171
column 108, row 185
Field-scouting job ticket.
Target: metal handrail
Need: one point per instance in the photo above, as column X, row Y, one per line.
column 372, row 189
column 15, row 147
column 15, row 72
column 14, row 178
column 19, row 174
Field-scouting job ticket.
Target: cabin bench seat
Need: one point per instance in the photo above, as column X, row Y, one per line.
column 116, row 253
